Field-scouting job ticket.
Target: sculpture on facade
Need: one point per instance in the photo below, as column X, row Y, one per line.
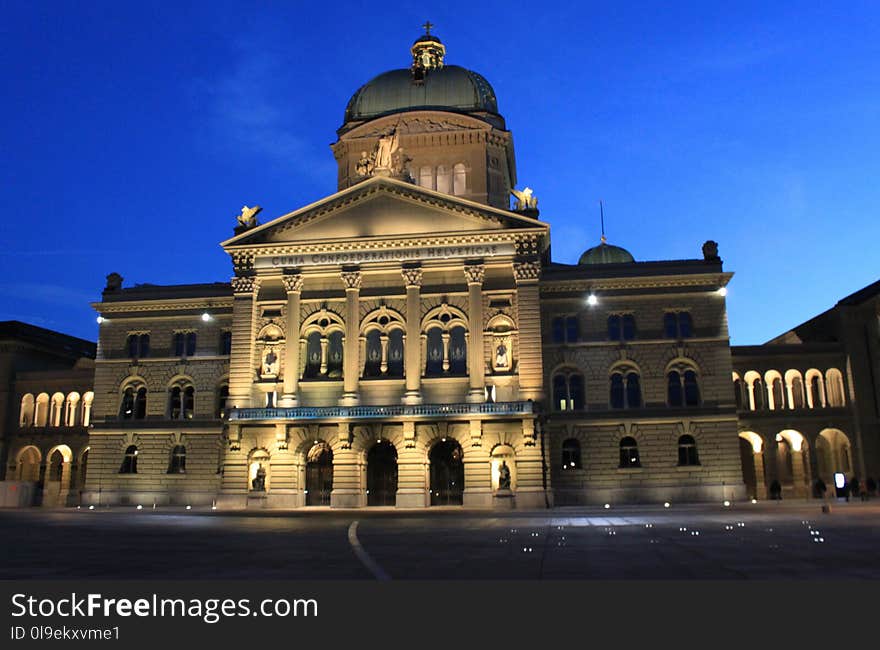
column 504, row 476
column 259, row 482
column 270, row 363
column 365, row 165
column 248, row 216
column 501, row 356
column 710, row 250
column 385, row 149
column 525, row 199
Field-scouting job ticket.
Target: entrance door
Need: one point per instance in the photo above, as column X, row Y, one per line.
column 447, row 474
column 382, row 475
column 319, row 476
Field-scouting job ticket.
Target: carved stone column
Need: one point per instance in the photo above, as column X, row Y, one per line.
column 412, row 278
column 241, row 372
column 474, row 274
column 760, row 485
column 350, row 370
column 293, row 285
column 528, row 316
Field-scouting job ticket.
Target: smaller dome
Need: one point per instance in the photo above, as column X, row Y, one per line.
column 606, row 254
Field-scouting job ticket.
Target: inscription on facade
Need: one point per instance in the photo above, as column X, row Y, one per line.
column 409, row 254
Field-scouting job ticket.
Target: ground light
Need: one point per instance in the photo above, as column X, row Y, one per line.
column 140, row 507
column 754, row 501
column 607, row 506
column 726, row 504
column 666, row 504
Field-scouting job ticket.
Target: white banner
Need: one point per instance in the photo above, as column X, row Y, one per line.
column 409, row 254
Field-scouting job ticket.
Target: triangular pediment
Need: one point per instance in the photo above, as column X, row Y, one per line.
column 383, row 208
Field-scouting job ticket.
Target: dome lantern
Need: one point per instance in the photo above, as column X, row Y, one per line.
column 427, row 53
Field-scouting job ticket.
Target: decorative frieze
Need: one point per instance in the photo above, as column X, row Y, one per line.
column 245, row 285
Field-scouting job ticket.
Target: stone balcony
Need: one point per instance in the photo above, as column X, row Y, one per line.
column 381, row 412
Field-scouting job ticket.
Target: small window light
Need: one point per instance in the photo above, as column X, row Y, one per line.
column 592, row 300
column 722, row 291
column 206, row 316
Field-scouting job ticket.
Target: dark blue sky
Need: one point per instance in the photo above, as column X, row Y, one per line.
column 132, row 134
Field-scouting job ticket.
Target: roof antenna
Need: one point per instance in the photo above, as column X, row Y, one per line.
column 602, row 220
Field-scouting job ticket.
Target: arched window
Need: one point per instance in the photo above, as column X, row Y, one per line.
column 26, row 414
column 134, row 402
column 222, row 399
column 459, row 180
column 177, row 463
column 313, row 356
column 778, row 394
column 629, row 452
column 41, row 410
column 373, row 356
column 797, row 393
column 571, row 454
column 568, row 391
column 618, row 394
column 57, row 409
column 181, row 400
column 674, row 392
column 687, row 451
column 691, row 389
column 70, row 409
column 129, row 460
column 434, row 361
column 444, row 179
column 445, row 341
column 738, row 393
column 334, row 355
column 395, row 353
column 633, row 390
column 426, row 177
column 457, row 351
column 759, row 394
column 834, row 387
column 815, row 389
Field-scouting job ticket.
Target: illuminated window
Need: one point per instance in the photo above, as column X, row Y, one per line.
column 571, row 454
column 181, row 400
column 629, row 452
column 568, row 391
column 134, row 402
column 222, row 399
column 129, row 461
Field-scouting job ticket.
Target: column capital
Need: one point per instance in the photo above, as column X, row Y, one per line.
column 352, row 280
column 245, row 285
column 526, row 271
column 293, row 283
column 412, row 277
column 474, row 273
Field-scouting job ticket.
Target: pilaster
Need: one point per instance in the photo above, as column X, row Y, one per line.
column 351, row 371
column 412, row 278
column 293, row 285
column 474, row 274
column 528, row 316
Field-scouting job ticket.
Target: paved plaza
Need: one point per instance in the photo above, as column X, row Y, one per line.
column 771, row 540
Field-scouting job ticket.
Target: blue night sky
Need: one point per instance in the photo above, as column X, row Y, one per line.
column 132, row 134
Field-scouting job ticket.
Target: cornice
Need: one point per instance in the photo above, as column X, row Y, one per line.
column 640, row 282
column 161, row 305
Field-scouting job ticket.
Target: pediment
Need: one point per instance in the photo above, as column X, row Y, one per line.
column 383, row 208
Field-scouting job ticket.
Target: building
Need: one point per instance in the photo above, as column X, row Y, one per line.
column 45, row 410
column 409, row 341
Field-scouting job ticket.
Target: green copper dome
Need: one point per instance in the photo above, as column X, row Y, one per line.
column 606, row 254
column 450, row 88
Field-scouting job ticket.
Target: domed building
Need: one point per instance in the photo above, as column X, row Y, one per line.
column 408, row 341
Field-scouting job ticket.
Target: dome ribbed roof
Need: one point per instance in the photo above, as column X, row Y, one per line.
column 451, row 88
column 606, row 254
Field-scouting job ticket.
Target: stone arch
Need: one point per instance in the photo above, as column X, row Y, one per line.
column 446, row 469
column 503, row 341
column 27, row 464
column 775, row 391
column 815, row 388
column 834, row 390
column 792, row 462
column 56, row 484
column 87, row 402
column 834, row 453
column 794, row 386
column 56, row 410
column 26, row 412
column 756, row 391
column 41, row 410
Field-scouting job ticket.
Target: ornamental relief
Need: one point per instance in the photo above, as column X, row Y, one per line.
column 459, row 302
column 418, row 125
column 368, row 306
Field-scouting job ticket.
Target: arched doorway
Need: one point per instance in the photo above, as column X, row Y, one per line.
column 382, row 474
column 747, row 459
column 447, row 473
column 319, row 475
